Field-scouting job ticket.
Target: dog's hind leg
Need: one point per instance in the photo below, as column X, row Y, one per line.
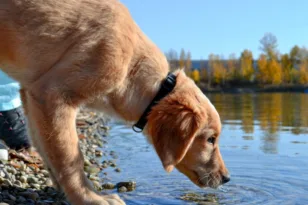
column 54, row 120
column 35, row 139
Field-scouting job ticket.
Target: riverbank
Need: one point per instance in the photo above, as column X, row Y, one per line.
column 254, row 89
column 25, row 181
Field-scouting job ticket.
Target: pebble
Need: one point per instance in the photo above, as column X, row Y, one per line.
column 45, row 173
column 20, row 199
column 49, row 182
column 130, row 185
column 7, row 182
column 29, row 195
column 23, row 179
column 18, row 183
column 122, row 189
column 32, row 180
column 22, row 182
column 4, row 155
column 92, row 169
column 108, row 185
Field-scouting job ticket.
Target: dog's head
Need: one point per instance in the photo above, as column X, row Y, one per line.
column 184, row 128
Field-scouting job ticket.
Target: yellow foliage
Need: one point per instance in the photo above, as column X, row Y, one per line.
column 246, row 65
column 218, row 70
column 263, row 72
column 303, row 72
column 275, row 71
column 232, row 73
column 195, row 75
column 286, row 65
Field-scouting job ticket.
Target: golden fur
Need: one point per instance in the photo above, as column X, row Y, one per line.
column 66, row 54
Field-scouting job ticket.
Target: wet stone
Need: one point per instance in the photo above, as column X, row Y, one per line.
column 122, row 189
column 108, row 185
column 200, row 198
column 130, row 186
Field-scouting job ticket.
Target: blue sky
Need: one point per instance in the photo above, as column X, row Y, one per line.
column 221, row 26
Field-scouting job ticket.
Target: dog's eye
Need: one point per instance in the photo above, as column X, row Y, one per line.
column 211, row 140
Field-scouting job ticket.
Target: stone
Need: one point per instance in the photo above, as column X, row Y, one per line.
column 7, row 182
column 29, row 195
column 92, row 169
column 23, row 179
column 32, row 180
column 108, row 185
column 122, row 189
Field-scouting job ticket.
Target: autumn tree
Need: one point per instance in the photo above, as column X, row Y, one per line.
column 203, row 71
column 275, row 71
column 286, row 65
column 247, row 69
column 195, row 75
column 232, row 68
column 263, row 74
column 269, row 45
column 182, row 59
column 303, row 72
column 219, row 71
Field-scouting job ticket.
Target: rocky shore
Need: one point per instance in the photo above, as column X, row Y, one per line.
column 25, row 181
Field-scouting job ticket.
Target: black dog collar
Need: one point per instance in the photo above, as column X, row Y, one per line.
column 166, row 87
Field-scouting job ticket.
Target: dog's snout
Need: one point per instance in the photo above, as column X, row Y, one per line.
column 225, row 179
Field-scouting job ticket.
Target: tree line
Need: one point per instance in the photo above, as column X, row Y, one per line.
column 270, row 68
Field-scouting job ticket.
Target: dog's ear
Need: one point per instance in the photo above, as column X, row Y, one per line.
column 172, row 126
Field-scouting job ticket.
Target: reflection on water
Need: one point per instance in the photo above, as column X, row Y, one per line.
column 269, row 117
column 264, row 143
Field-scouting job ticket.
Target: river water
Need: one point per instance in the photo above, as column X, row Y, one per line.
column 264, row 144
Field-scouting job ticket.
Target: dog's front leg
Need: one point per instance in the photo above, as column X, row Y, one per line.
column 54, row 120
column 35, row 139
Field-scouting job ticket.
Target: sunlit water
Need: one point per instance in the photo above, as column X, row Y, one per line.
column 264, row 143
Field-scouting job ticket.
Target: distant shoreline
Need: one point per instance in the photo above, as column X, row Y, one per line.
column 256, row 89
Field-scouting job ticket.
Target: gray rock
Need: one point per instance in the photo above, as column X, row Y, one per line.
column 45, row 173
column 122, row 189
column 20, row 199
column 11, row 197
column 32, row 180
column 23, row 179
column 2, row 174
column 48, row 182
column 29, row 195
column 108, row 185
column 23, row 167
column 7, row 182
column 36, row 186
column 18, row 183
column 4, row 154
column 92, row 169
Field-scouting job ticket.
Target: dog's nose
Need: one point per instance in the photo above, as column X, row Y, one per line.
column 225, row 179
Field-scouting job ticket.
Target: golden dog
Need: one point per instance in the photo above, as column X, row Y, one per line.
column 70, row 53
